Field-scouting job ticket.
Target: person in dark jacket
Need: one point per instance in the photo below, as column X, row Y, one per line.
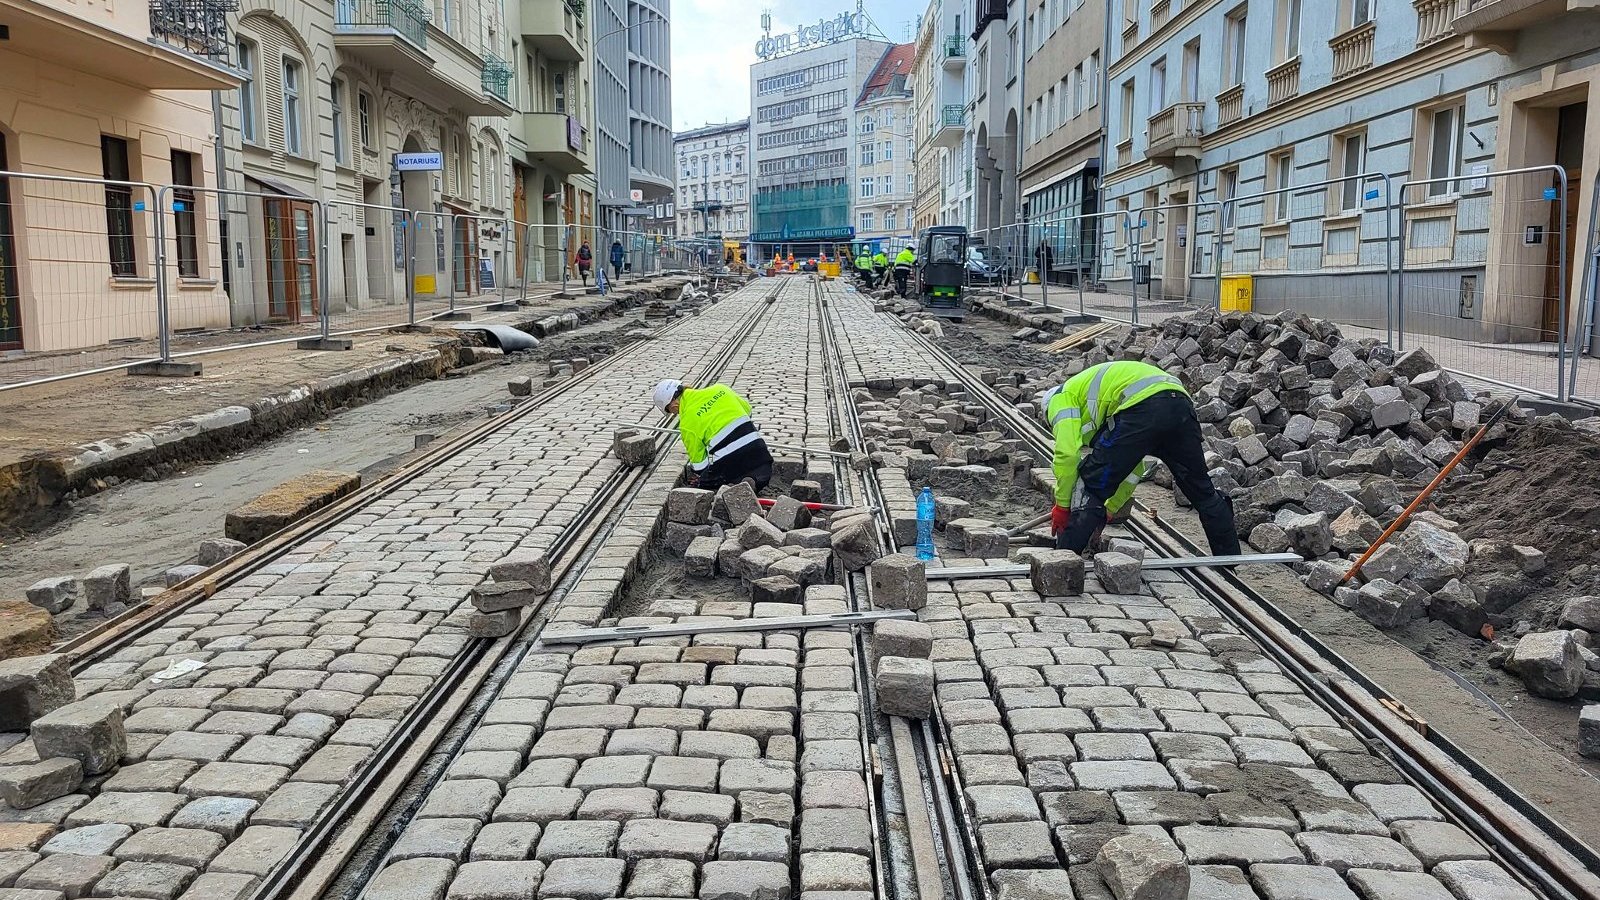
column 1044, row 258
column 585, row 260
column 616, row 260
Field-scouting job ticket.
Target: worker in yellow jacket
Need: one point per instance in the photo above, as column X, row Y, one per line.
column 1122, row 412
column 722, row 441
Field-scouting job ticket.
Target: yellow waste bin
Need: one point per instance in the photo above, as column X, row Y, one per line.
column 1236, row 292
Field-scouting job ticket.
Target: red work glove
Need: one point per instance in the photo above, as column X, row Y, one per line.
column 1058, row 518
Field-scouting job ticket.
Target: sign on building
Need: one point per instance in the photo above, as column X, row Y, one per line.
column 419, row 162
column 826, row 31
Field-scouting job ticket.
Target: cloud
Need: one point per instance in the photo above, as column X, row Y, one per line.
column 713, row 47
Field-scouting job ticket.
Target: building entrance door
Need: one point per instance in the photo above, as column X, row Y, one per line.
column 464, row 266
column 1570, row 122
column 291, row 239
column 10, row 292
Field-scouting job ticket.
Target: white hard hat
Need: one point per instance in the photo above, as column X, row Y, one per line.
column 1044, row 401
column 664, row 393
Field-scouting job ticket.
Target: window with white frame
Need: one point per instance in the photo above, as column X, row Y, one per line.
column 1191, row 72
column 867, row 150
column 1233, row 52
column 888, row 151
column 1446, row 129
column 866, row 221
column 1288, row 29
column 1227, row 190
column 866, row 187
column 1158, row 86
column 1127, row 110
column 341, row 138
column 1361, row 12
column 246, row 55
column 291, row 106
column 364, row 114
column 886, row 184
column 868, row 124
column 1351, row 156
column 1280, row 175
column 888, row 220
column 1093, row 74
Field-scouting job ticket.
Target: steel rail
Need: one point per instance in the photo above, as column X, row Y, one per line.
column 305, row 875
column 1537, row 849
column 836, row 388
column 953, row 835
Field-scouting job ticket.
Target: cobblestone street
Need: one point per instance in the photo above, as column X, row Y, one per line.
column 1113, row 738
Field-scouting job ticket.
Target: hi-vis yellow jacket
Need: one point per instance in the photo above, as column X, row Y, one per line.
column 1080, row 408
column 708, row 415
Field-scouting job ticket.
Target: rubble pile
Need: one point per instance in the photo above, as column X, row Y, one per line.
column 1321, row 440
column 779, row 553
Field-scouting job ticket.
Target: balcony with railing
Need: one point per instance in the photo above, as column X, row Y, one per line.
column 1175, row 132
column 988, row 11
column 1496, row 23
column 496, row 78
column 557, row 140
column 1283, row 81
column 955, row 51
column 169, row 44
column 1352, row 51
column 1435, row 20
column 390, row 35
column 1160, row 13
column 1230, row 105
column 554, row 28
column 949, row 126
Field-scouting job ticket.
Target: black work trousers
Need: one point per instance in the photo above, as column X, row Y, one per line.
column 1163, row 426
column 752, row 461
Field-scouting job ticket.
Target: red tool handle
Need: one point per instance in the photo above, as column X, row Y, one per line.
column 814, row 507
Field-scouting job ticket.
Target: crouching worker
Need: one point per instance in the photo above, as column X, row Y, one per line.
column 714, row 424
column 1121, row 412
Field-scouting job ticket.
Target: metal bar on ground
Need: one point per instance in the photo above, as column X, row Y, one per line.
column 953, row 573
column 812, row 450
column 779, row 623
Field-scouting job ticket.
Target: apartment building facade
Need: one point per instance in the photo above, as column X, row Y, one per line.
column 119, row 92
column 713, row 189
column 803, row 132
column 993, row 120
column 885, row 177
column 1215, row 101
column 331, row 99
column 550, row 134
column 939, row 94
column 1061, row 135
column 651, row 167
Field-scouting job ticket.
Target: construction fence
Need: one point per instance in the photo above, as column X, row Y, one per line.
column 100, row 275
column 1490, row 272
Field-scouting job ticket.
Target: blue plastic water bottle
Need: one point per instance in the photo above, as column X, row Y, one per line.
column 925, row 524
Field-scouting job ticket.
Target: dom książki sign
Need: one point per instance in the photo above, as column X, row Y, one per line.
column 826, row 31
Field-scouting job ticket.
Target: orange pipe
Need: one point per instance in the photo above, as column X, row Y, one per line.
column 1437, row 480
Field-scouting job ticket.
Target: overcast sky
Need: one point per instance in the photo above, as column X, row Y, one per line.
column 713, row 45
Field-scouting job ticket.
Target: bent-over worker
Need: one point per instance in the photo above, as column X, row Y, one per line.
column 1122, row 412
column 904, row 262
column 714, row 424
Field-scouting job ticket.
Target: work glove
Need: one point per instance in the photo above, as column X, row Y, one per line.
column 1059, row 515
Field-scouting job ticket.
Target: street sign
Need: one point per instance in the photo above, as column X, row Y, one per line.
column 636, row 195
column 419, row 162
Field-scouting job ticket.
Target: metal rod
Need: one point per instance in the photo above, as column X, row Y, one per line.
column 783, row 623
column 1151, row 564
column 833, row 453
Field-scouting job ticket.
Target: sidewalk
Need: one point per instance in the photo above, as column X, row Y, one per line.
column 59, row 437
column 1524, row 367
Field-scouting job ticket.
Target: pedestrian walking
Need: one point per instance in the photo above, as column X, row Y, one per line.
column 616, row 260
column 584, row 259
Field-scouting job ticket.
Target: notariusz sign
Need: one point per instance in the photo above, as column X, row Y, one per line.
column 826, row 31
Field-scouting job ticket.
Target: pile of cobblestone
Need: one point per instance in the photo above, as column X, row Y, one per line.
column 1320, row 439
column 778, row 552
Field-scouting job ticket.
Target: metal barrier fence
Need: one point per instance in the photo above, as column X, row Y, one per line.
column 1483, row 275
column 102, row 275
column 1325, row 248
column 1584, row 382
column 79, row 291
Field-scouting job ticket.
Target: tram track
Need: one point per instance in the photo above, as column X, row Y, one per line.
column 948, row 832
column 352, row 844
column 1532, row 845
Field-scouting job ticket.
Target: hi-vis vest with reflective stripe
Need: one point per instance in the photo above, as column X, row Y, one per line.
column 1082, row 407
column 708, row 415
column 906, row 257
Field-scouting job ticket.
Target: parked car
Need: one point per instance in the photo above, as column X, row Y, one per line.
column 985, row 267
